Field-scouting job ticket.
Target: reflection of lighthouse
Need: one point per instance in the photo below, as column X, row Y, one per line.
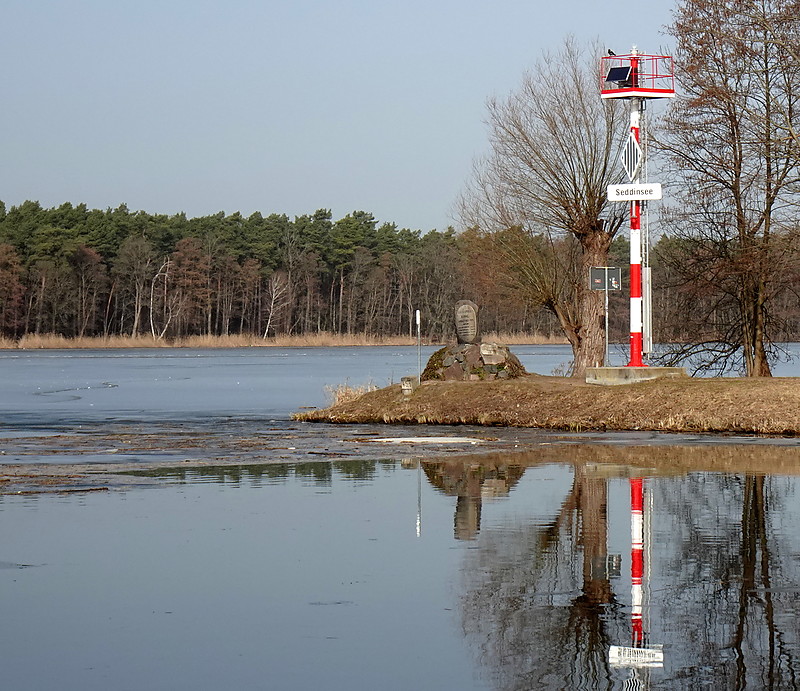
column 639, row 654
column 637, row 559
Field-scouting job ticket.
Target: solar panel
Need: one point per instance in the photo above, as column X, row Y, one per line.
column 621, row 75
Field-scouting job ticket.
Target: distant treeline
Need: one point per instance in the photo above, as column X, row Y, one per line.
column 80, row 272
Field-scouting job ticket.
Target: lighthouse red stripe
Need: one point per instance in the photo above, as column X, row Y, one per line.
column 637, row 559
column 637, row 495
column 636, row 280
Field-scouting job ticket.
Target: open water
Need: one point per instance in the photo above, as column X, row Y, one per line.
column 260, row 566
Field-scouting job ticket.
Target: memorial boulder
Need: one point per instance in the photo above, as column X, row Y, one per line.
column 473, row 362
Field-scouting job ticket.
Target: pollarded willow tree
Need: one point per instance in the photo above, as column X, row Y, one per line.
column 540, row 193
column 731, row 135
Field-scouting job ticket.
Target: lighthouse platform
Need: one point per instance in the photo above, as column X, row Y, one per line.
column 612, row 376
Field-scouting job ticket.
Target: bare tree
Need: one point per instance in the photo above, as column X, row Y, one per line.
column 132, row 270
column 164, row 300
column 554, row 151
column 277, row 297
column 90, row 279
column 191, row 269
column 730, row 136
column 249, row 295
column 12, row 290
column 778, row 22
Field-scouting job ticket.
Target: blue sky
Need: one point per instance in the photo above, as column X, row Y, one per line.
column 287, row 107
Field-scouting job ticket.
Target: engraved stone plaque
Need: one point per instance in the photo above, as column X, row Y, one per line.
column 491, row 354
column 467, row 321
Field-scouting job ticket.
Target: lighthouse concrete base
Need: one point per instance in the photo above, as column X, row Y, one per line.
column 612, row 376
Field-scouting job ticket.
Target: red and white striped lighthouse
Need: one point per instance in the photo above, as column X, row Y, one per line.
column 636, row 243
column 636, row 77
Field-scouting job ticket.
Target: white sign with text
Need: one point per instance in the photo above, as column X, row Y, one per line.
column 626, row 193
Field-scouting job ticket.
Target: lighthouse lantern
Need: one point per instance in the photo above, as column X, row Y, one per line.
column 637, row 76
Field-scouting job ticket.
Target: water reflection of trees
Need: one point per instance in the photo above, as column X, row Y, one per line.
column 321, row 473
column 541, row 609
column 540, row 617
column 734, row 593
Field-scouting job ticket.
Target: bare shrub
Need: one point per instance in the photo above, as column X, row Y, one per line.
column 344, row 393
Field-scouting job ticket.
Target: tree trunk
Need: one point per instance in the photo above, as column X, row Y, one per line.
column 588, row 339
column 760, row 366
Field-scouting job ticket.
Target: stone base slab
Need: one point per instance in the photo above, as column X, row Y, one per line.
column 612, row 376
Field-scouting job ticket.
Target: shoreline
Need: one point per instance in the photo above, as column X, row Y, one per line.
column 769, row 406
column 609, row 453
column 100, row 469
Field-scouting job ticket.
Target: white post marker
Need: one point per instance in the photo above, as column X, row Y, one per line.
column 419, row 351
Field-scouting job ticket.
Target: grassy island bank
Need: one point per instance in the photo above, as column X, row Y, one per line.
column 726, row 405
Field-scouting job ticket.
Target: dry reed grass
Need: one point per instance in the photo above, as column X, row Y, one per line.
column 314, row 340
column 325, row 339
column 57, row 341
column 344, row 393
column 522, row 338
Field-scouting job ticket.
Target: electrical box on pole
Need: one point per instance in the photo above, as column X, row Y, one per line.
column 647, row 311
